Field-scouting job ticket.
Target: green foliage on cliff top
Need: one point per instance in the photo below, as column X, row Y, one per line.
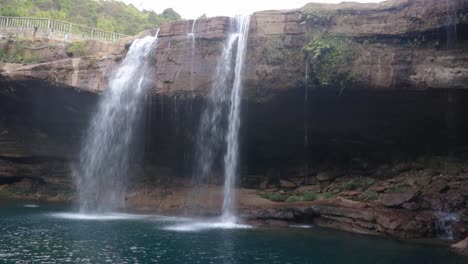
column 77, row 48
column 330, row 57
column 318, row 17
column 15, row 52
column 108, row 15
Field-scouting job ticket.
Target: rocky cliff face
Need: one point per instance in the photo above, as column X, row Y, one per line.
column 395, row 45
column 362, row 102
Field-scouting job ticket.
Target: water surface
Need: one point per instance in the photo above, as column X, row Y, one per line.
column 52, row 234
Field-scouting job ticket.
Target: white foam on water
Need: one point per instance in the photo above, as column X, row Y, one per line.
column 301, row 226
column 119, row 216
column 99, row 217
column 31, row 205
column 205, row 225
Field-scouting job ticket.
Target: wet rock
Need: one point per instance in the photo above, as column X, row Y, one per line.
column 311, row 181
column 324, row 176
column 310, row 188
column 351, row 193
column 397, row 199
column 287, row 184
column 297, row 181
column 461, row 247
column 263, row 184
column 431, row 202
column 276, row 223
column 412, row 206
column 402, row 167
column 437, row 186
column 378, row 189
column 404, row 224
column 464, row 191
column 459, row 229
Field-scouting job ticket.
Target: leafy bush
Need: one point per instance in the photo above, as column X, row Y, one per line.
column 330, row 59
column 294, row 198
column 306, row 196
column 328, row 195
column 318, row 17
column 309, row 196
column 31, row 59
column 274, row 196
column 77, row 49
column 12, row 53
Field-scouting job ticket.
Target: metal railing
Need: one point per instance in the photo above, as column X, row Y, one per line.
column 53, row 29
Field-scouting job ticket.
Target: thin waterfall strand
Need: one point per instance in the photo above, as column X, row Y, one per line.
column 232, row 153
column 220, row 122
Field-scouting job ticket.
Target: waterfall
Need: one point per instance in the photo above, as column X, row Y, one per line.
column 232, row 153
column 443, row 224
column 220, row 122
column 110, row 139
column 191, row 35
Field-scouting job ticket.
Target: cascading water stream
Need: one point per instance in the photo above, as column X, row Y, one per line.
column 232, row 153
column 215, row 136
column 109, row 143
column 192, row 40
column 443, row 224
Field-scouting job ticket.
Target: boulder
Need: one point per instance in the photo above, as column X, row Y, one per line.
column 350, row 193
column 310, row 188
column 412, row 206
column 461, row 247
column 397, row 199
column 459, row 229
column 287, row 184
column 329, row 175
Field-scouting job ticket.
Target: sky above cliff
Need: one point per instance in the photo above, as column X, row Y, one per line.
column 195, row 8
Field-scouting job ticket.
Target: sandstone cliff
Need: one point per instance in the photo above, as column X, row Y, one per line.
column 393, row 45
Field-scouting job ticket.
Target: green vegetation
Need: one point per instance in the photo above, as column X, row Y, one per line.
column 330, row 59
column 306, row 196
column 108, row 15
column 77, row 49
column 318, row 17
column 12, row 53
column 274, row 196
column 360, row 183
column 15, row 52
column 294, row 198
column 328, row 195
column 369, row 196
column 30, row 59
column 309, row 196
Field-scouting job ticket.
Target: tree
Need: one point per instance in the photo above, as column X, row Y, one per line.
column 170, row 14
